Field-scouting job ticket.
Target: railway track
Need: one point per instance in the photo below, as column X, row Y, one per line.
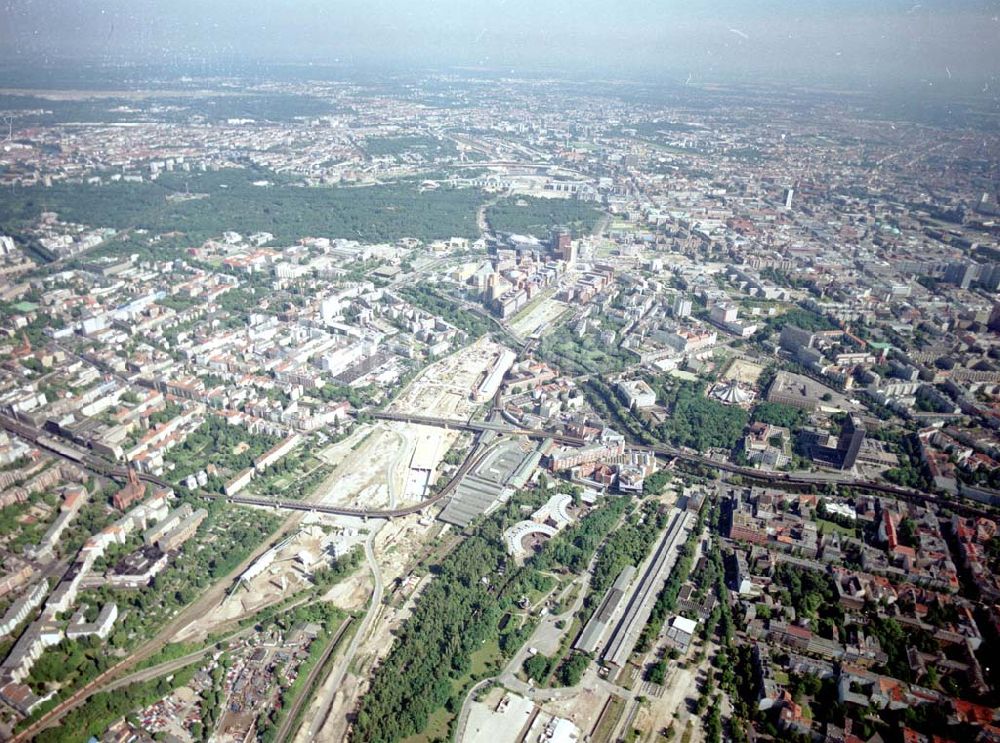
column 109, row 469
column 775, row 478
column 104, row 467
column 101, row 466
column 290, row 724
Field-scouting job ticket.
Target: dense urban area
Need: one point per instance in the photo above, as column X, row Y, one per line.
column 497, row 409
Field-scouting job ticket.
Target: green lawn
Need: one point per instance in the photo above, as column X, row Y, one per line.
column 484, row 658
column 437, row 728
column 481, row 664
column 535, row 595
column 825, row 527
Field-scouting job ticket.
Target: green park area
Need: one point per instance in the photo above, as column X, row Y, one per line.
column 288, row 211
column 526, row 215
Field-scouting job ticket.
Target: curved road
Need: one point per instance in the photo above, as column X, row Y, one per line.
column 103, row 467
column 508, row 678
column 86, row 459
column 805, row 479
column 337, row 677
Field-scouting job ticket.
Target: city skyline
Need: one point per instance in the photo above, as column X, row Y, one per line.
column 948, row 45
column 499, row 373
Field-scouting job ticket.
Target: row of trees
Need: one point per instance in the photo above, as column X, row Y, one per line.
column 666, row 600
column 627, row 545
column 730, row 668
column 539, row 667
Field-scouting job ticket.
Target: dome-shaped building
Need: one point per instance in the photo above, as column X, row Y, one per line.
column 732, row 394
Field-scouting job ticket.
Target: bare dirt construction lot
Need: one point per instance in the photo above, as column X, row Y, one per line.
column 287, row 573
column 539, row 318
column 371, row 467
column 395, row 547
column 386, row 465
column 680, row 684
column 582, row 709
column 445, row 387
column 741, row 370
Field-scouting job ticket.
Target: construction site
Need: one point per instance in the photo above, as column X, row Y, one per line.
column 282, row 570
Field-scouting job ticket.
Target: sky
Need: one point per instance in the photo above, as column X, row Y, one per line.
column 850, row 42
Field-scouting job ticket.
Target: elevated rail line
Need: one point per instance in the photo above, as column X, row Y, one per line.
column 108, row 469
column 689, row 457
column 788, row 479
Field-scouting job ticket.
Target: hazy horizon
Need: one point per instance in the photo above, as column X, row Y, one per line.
column 939, row 44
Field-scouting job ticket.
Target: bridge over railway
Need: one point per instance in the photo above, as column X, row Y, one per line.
column 689, row 457
column 109, row 469
column 787, row 479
